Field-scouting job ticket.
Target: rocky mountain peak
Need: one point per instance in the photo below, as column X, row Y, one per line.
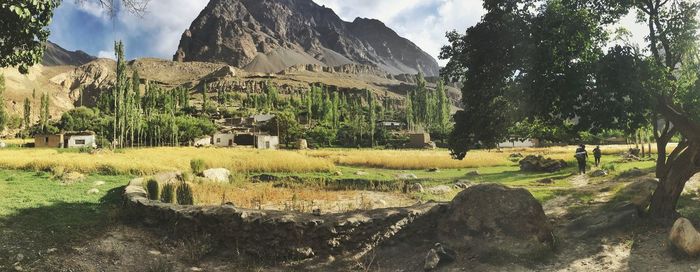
column 270, row 36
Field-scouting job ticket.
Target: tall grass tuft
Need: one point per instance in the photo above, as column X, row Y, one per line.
column 185, row 195
column 153, row 189
column 198, row 166
column 168, row 193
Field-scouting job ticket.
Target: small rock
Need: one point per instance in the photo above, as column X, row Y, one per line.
column 99, row 183
column 546, row 181
column 338, row 173
column 685, row 237
column 406, row 176
column 440, row 190
column 472, row 173
column 19, row 257
column 154, row 252
column 18, row 268
column 361, row 173
column 229, row 204
column 462, row 185
column 217, row 174
column 381, row 203
column 51, row 250
column 598, row 173
column 194, row 268
column 93, row 191
column 415, row 187
column 431, row 260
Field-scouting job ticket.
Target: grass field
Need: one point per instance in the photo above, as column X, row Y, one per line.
column 151, row 160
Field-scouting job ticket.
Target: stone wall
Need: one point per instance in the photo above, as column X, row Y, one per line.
column 276, row 235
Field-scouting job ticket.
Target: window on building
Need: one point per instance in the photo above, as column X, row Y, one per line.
column 267, row 145
column 218, row 140
column 80, row 142
column 46, row 140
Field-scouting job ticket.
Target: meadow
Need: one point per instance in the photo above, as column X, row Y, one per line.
column 146, row 161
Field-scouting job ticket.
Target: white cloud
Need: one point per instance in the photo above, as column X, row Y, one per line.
column 106, row 55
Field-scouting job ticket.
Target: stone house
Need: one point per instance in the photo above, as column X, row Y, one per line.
column 225, row 139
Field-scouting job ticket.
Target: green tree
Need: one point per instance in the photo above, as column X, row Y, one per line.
column 23, row 30
column 3, row 112
column 27, row 113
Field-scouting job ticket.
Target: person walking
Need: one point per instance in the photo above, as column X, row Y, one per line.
column 596, row 155
column 581, row 156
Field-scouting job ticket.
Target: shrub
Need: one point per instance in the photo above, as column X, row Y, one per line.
column 610, row 167
column 152, row 188
column 197, row 166
column 184, row 194
column 168, row 193
column 195, row 247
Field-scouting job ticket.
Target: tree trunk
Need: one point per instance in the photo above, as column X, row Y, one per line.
column 679, row 170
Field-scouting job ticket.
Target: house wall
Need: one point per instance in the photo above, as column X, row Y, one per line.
column 48, row 141
column 76, row 141
column 204, row 141
column 418, row 140
column 267, row 142
column 224, row 139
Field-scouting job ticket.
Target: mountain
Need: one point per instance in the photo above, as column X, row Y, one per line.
column 272, row 35
column 54, row 55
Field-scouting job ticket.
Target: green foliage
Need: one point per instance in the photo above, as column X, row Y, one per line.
column 198, row 166
column 23, row 30
column 184, row 194
column 152, row 188
column 610, row 167
column 3, row 113
column 168, row 193
column 81, row 119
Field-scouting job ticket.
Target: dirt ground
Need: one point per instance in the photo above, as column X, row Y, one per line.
column 629, row 245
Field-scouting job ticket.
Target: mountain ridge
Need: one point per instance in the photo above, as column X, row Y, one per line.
column 272, row 35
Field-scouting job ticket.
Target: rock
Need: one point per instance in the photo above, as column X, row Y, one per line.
column 434, row 170
column 302, row 144
column 194, row 268
column 154, row 252
column 18, row 268
column 598, row 173
column 415, row 187
column 51, row 250
column 338, row 173
column 430, row 145
column 497, row 219
column 266, row 178
column 431, row 260
column 93, row 191
column 217, row 174
column 685, row 237
column 632, row 173
column 3, row 145
column 440, row 190
column 533, row 163
column 462, row 184
column 639, row 192
column 361, row 173
column 515, row 155
column 406, row 176
column 546, row 181
column 316, row 212
column 168, row 177
column 18, row 258
column 472, row 174
column 99, row 183
column 438, row 255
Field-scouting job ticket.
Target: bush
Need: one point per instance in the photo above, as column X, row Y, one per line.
column 168, row 193
column 152, row 188
column 197, row 166
column 184, row 194
column 610, row 167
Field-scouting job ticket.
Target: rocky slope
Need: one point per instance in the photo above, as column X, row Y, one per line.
column 55, row 55
column 271, row 35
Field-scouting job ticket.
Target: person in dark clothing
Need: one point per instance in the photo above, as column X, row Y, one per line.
column 596, row 155
column 581, row 156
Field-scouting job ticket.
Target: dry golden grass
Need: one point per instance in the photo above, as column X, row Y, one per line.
column 267, row 197
column 409, row 159
column 152, row 160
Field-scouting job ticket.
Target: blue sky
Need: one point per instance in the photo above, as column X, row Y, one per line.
column 157, row 34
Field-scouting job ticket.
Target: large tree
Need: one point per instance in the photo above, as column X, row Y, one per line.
column 548, row 61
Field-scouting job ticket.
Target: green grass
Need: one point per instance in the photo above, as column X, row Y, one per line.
column 37, row 212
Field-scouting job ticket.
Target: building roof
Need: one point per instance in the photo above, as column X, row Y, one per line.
column 262, row 117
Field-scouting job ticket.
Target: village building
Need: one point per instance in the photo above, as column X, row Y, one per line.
column 418, row 140
column 263, row 141
column 203, row 141
column 225, row 139
column 391, row 125
column 66, row 140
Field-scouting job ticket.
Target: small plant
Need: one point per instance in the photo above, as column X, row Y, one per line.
column 610, row 167
column 197, row 166
column 195, row 247
column 160, row 265
column 168, row 193
column 184, row 194
column 152, row 188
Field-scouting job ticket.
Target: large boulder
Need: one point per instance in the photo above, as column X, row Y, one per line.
column 497, row 218
column 685, row 237
column 534, row 163
column 217, row 174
